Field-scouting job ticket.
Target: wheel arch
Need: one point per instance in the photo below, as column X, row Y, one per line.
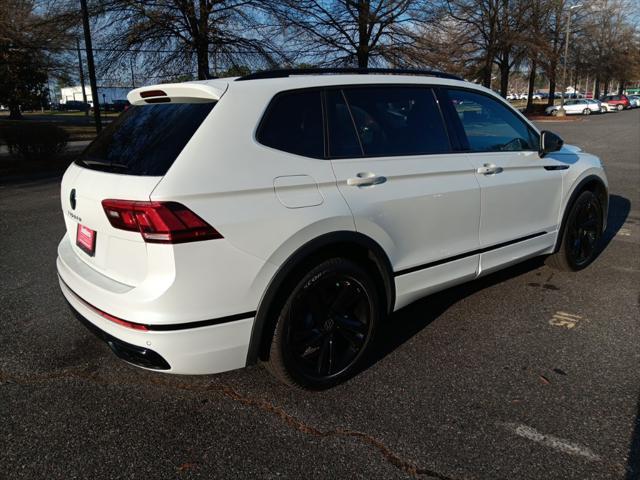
column 347, row 244
column 591, row 183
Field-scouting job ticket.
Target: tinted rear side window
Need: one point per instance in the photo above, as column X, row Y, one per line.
column 145, row 140
column 293, row 123
column 394, row 121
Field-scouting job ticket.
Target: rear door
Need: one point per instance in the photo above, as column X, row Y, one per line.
column 125, row 162
column 404, row 185
column 520, row 192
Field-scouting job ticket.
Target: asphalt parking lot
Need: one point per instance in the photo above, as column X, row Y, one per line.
column 527, row 374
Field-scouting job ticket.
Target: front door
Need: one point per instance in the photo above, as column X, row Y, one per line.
column 520, row 192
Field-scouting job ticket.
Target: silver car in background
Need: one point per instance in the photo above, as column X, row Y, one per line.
column 575, row 107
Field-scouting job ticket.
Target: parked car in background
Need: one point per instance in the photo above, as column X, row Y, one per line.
column 601, row 107
column 523, row 96
column 117, row 106
column 620, row 102
column 574, row 107
column 72, row 105
column 634, row 100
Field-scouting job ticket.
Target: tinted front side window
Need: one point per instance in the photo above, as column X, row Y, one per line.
column 489, row 125
column 145, row 140
column 397, row 120
column 293, row 123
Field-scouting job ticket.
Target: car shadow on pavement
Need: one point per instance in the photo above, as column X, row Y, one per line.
column 633, row 462
column 410, row 320
column 619, row 208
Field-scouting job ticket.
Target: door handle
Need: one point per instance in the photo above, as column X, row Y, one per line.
column 489, row 169
column 366, row 179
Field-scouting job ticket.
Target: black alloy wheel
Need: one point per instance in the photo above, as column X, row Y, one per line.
column 326, row 326
column 584, row 232
column 581, row 236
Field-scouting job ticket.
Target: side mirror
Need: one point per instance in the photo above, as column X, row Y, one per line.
column 549, row 142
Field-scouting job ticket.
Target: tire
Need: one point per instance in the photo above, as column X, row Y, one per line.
column 581, row 234
column 620, row 107
column 586, row 111
column 554, row 113
column 326, row 326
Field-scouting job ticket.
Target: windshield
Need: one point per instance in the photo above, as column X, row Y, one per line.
column 145, row 140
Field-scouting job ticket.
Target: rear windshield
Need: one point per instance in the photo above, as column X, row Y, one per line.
column 145, row 140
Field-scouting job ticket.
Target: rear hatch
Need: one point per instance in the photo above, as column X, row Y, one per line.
column 126, row 162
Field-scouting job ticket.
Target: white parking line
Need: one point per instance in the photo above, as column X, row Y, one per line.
column 560, row 444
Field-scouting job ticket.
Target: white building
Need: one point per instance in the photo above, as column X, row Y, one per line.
column 105, row 94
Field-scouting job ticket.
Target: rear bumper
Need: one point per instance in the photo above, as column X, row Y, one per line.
column 141, row 357
column 201, row 350
column 195, row 308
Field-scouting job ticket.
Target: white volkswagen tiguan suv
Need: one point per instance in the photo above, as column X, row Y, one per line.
column 281, row 216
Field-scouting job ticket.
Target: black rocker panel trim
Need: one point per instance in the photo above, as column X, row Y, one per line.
column 467, row 254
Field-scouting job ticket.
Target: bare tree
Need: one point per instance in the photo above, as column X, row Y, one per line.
column 32, row 37
column 442, row 45
column 512, row 23
column 169, row 34
column 551, row 50
column 350, row 32
column 478, row 22
column 611, row 40
column 534, row 42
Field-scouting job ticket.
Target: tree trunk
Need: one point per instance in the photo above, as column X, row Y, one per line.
column 596, row 89
column 621, row 87
column 363, row 57
column 14, row 111
column 362, row 52
column 532, row 81
column 486, row 71
column 504, row 74
column 202, row 54
column 552, row 84
column 606, row 86
column 201, row 37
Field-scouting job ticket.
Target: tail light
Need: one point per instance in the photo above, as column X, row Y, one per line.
column 159, row 222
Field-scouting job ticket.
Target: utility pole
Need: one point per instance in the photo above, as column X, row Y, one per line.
column 84, row 93
column 90, row 65
column 561, row 111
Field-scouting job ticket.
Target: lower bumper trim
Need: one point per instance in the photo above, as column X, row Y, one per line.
column 142, row 357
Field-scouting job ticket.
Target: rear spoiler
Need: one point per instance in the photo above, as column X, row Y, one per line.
column 189, row 92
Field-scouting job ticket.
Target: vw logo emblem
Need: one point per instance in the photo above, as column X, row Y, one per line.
column 72, row 198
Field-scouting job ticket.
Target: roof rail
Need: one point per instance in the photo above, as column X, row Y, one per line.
column 281, row 73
